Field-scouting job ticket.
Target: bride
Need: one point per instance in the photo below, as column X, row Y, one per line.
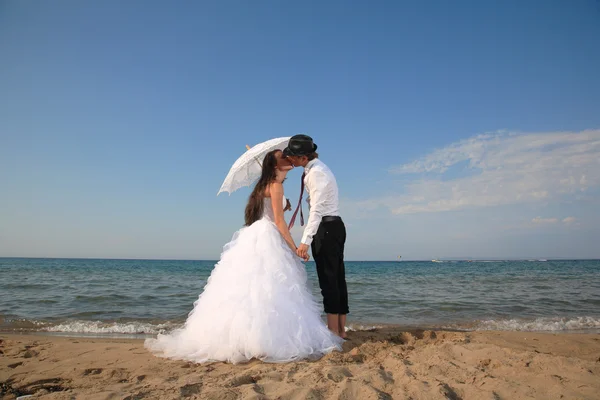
column 256, row 303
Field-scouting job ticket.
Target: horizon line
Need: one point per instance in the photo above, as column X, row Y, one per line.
column 348, row 260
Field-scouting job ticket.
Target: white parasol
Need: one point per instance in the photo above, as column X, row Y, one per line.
column 247, row 169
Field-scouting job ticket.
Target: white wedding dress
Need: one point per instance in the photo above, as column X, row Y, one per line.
column 256, row 304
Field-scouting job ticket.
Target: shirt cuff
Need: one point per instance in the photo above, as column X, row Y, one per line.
column 307, row 241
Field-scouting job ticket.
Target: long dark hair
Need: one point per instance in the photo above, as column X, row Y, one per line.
column 255, row 206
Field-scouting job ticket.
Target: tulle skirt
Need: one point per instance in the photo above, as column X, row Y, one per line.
column 256, row 304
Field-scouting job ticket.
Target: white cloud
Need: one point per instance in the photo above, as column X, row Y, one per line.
column 503, row 168
column 541, row 221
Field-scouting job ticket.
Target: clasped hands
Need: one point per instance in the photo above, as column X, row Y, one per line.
column 302, row 252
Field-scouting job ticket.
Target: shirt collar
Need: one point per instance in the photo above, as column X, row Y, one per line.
column 310, row 164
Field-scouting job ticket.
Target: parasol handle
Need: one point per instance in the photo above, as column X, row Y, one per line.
column 257, row 160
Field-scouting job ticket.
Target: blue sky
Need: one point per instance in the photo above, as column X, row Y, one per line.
column 455, row 129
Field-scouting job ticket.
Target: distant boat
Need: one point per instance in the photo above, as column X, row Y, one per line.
column 436, row 261
column 542, row 259
column 399, row 257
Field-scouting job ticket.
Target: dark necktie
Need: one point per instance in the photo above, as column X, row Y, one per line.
column 299, row 207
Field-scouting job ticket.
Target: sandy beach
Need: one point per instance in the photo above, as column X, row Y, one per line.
column 388, row 363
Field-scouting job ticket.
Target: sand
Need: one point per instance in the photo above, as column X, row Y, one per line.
column 384, row 364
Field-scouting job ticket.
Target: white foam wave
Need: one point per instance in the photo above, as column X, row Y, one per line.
column 545, row 324
column 355, row 328
column 540, row 324
column 131, row 328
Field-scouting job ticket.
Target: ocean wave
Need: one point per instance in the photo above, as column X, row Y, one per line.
column 358, row 327
column 111, row 297
column 21, row 286
column 114, row 327
column 130, row 328
column 141, row 327
column 21, row 324
column 544, row 324
column 146, row 328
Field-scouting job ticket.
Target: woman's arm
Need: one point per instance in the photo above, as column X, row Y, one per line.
column 276, row 191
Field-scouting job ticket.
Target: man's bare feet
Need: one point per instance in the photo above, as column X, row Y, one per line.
column 342, row 325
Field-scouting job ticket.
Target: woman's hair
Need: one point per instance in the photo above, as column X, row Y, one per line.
column 312, row 156
column 255, row 206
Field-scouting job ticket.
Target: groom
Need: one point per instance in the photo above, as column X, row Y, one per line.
column 325, row 231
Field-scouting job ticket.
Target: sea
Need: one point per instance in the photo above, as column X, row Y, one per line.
column 140, row 298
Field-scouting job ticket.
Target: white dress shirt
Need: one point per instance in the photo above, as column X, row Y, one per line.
column 323, row 196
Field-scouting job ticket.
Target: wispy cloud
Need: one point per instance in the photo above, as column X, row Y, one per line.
column 543, row 221
column 553, row 221
column 504, row 168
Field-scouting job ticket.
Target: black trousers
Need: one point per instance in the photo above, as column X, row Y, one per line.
column 328, row 252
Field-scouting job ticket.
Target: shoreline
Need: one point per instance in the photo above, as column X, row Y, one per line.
column 142, row 329
column 384, row 363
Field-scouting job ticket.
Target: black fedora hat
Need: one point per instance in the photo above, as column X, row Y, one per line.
column 300, row 145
